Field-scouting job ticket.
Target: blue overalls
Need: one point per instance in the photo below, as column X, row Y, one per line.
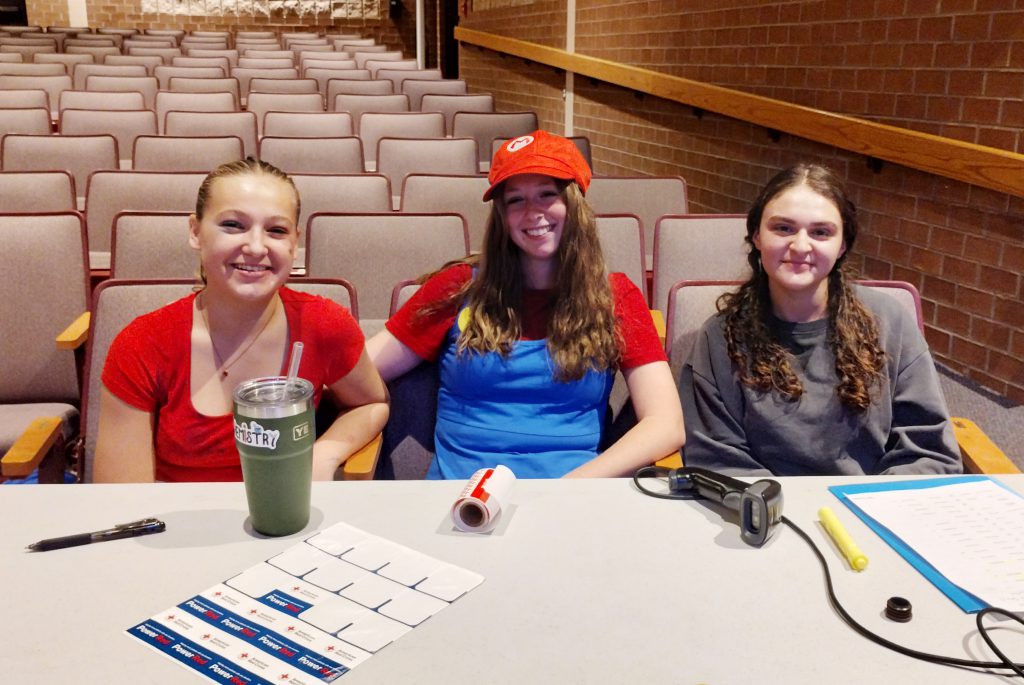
column 493, row 410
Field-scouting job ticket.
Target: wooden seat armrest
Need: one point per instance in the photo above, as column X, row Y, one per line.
column 363, row 463
column 672, row 461
column 74, row 336
column 659, row 325
column 979, row 453
column 31, row 447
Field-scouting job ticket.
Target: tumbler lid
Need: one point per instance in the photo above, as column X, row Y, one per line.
column 273, row 397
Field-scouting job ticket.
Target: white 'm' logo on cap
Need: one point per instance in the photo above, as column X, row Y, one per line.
column 519, row 143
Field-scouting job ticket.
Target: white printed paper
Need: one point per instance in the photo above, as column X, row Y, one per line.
column 308, row 615
column 972, row 533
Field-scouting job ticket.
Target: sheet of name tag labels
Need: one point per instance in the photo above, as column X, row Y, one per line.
column 309, row 614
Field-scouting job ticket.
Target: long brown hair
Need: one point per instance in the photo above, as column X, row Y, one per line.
column 763, row 363
column 582, row 334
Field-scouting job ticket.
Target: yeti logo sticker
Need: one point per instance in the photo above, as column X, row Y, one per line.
column 254, row 435
column 519, row 143
column 301, row 431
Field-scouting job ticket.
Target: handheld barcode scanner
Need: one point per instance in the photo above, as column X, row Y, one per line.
column 759, row 504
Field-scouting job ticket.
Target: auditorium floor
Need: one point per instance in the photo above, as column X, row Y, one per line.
column 998, row 417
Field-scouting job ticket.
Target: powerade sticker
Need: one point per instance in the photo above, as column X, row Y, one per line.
column 298, row 620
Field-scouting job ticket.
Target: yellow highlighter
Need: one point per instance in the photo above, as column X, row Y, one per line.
column 858, row 560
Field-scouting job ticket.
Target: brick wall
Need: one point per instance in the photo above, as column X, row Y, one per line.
column 962, row 246
column 542, row 21
column 515, row 85
column 48, row 13
column 949, row 67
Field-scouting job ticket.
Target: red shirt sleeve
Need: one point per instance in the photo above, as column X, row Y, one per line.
column 425, row 335
column 133, row 370
column 640, row 344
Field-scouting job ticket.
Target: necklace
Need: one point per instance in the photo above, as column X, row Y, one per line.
column 218, row 358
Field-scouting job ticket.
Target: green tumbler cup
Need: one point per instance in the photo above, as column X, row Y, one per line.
column 274, row 432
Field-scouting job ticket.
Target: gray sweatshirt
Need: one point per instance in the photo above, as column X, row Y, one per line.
column 738, row 430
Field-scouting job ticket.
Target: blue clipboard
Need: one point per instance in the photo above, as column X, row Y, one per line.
column 963, row 599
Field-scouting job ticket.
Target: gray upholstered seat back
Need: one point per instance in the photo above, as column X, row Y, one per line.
column 399, row 157
column 698, row 247
column 690, row 305
column 37, row 191
column 622, row 242
column 45, row 285
column 443, row 193
column 484, row 127
column 115, row 305
column 152, row 246
column 649, row 197
column 376, row 251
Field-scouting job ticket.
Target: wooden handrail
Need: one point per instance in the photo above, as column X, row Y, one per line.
column 987, row 167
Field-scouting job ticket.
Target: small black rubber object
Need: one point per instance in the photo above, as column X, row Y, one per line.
column 898, row 609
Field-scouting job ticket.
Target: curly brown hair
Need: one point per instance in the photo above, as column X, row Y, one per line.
column 582, row 334
column 763, row 363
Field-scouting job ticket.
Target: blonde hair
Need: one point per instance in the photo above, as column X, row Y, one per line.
column 248, row 165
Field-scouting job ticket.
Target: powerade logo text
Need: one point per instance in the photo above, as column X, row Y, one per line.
column 201, row 659
column 203, row 610
column 277, row 647
column 253, row 434
column 196, row 658
column 229, row 675
column 283, row 602
column 238, row 628
column 158, row 637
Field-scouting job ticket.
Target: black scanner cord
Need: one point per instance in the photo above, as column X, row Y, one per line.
column 1004, row 663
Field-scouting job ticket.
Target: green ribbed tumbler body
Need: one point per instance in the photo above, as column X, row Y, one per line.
column 274, row 432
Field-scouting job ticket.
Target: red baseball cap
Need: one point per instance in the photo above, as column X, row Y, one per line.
column 539, row 152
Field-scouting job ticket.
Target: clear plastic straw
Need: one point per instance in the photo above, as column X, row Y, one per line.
column 293, row 367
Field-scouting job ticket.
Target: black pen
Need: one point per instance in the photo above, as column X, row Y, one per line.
column 124, row 530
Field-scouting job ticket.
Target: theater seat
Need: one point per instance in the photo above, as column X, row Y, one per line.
column 45, row 281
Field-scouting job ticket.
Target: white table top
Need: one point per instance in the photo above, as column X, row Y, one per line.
column 586, row 582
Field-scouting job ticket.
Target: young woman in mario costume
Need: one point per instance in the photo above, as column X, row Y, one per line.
column 166, row 403
column 528, row 334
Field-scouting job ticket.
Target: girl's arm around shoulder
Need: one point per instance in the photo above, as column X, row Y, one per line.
column 657, row 433
column 390, row 356
column 362, row 395
column 408, row 338
column 124, row 443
